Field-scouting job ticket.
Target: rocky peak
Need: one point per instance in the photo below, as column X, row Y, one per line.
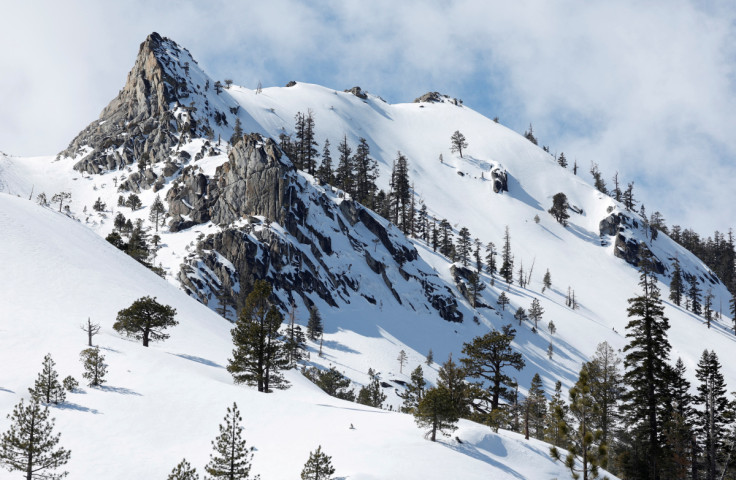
column 166, row 99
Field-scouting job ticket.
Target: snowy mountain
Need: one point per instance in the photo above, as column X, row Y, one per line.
column 242, row 213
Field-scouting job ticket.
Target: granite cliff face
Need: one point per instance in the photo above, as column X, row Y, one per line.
column 278, row 225
column 166, row 100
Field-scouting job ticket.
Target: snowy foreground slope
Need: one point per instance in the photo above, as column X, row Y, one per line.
column 165, row 402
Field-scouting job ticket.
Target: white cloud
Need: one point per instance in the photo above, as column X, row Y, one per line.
column 646, row 89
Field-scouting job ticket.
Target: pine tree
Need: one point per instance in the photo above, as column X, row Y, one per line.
column 503, row 300
column 259, row 355
column 145, row 320
column 598, row 181
column 628, row 197
column 183, row 471
column 332, row 382
column 606, row 387
column 676, row 287
column 324, row 172
column 70, row 384
column 458, row 143
column 344, row 171
column 476, row 286
column 414, row 391
column 366, row 173
column 520, row 315
column 29, row 445
column 488, row 356
column 561, row 160
column 314, row 324
column 402, row 360
column 557, row 416
column 430, row 357
column 372, row 395
column 134, row 202
column 584, row 441
column 158, row 212
column 537, row 407
column 231, row 458
column 91, row 329
column 309, row 144
column 507, row 261
column 694, row 295
column 401, row 193
column 529, row 135
column 451, row 377
column 294, row 341
column 94, row 365
column 47, row 388
column 712, row 419
column 559, row 208
column 708, row 307
column 616, row 193
column 491, row 258
column 546, row 281
column 237, row 132
column 646, row 372
column 318, row 466
column 535, row 312
column 445, row 238
column 679, row 436
column 463, row 248
column 436, row 412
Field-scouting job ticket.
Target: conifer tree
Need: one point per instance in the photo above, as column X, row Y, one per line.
column 546, row 281
column 598, row 181
column 520, row 315
column 30, row 446
column 606, row 387
column 237, row 132
column 344, row 171
column 458, row 143
column 145, row 320
column 507, row 261
column 463, row 248
column 436, row 412
column 318, row 466
column 476, row 286
column 183, row 471
column 712, row 418
column 646, row 372
column 94, row 365
column 294, row 341
column 324, row 172
column 258, row 356
column 372, row 395
column 47, row 388
column 537, row 407
column 91, row 329
column 628, row 197
column 529, row 135
column 451, row 377
column 366, row 173
column 332, row 382
column 401, row 193
column 561, row 160
column 708, row 307
column 616, row 193
column 582, row 439
column 488, row 356
column 535, row 312
column 232, row 457
column 308, row 145
column 559, row 208
column 414, row 390
column 694, row 294
column 676, row 287
column 557, row 416
column 430, row 357
column 158, row 212
column 503, row 300
column 445, row 239
column 679, row 436
column 314, row 324
column 70, row 384
column 491, row 259
column 402, row 360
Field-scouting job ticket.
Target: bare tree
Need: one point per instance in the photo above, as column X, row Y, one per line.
column 92, row 329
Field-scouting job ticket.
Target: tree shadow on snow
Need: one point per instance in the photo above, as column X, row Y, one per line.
column 6, row 390
column 121, row 390
column 79, row 408
column 494, row 447
column 365, row 410
column 584, row 234
column 338, row 346
column 201, row 360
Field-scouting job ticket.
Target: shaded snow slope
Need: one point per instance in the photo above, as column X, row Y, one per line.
column 165, row 402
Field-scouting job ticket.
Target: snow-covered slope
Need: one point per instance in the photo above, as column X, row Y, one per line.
column 165, row 402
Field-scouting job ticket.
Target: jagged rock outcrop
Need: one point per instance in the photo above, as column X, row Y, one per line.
column 358, row 92
column 626, row 246
column 289, row 230
column 166, row 99
column 437, row 97
column 500, row 180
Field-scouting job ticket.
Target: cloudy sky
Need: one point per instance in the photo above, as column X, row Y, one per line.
column 643, row 88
